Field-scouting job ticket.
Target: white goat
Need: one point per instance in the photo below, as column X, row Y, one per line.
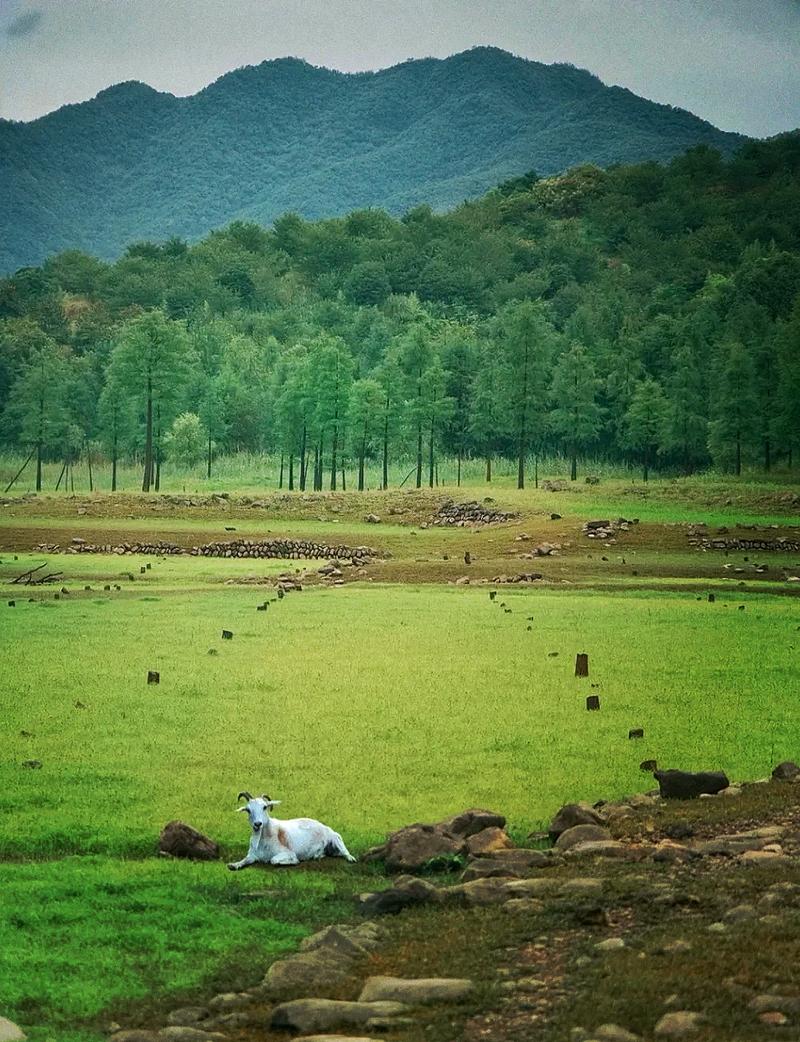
column 277, row 842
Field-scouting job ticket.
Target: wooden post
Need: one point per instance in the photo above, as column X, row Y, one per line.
column 24, row 465
column 582, row 665
column 592, row 702
column 227, row 635
column 711, row 598
column 153, row 676
column 492, row 594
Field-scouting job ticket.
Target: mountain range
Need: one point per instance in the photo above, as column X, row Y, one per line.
column 134, row 163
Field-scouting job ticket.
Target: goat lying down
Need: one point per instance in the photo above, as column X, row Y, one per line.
column 277, row 842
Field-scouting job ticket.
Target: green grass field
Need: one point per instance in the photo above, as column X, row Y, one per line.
column 368, row 706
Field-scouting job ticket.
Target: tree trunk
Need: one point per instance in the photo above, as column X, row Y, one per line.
column 280, row 474
column 148, row 441
column 386, row 446
column 573, row 474
column 291, row 472
column 303, row 460
column 208, row 473
column 89, row 465
column 333, row 456
column 430, row 457
column 419, row 455
column 536, row 470
column 646, row 466
column 344, row 479
column 38, row 466
column 114, row 463
column 738, row 453
column 458, row 469
column 362, row 452
column 767, row 454
column 488, row 469
column 521, row 460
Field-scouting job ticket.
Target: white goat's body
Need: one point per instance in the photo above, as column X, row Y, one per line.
column 276, row 842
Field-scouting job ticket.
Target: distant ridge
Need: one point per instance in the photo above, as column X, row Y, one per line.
column 134, row 163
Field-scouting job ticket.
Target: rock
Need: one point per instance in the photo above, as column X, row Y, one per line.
column 334, row 1038
column 180, row 840
column 320, row 971
column 668, row 851
column 488, row 841
column 406, row 893
column 372, row 519
column 523, row 906
column 489, row 868
column 684, row 785
column 187, row 1016
column 9, row 1032
column 416, row 992
column 230, row 1001
column 677, row 947
column 478, row 893
column 530, row 887
column 190, row 1034
column 614, row 1033
column 612, row 944
column 781, row 1003
column 573, row 814
column 786, row 771
column 773, row 1019
column 676, row 1025
column 413, row 847
column 347, row 941
column 739, row 914
column 581, row 887
column 321, row 1014
column 135, row 1035
column 757, row 857
column 470, row 822
column 581, row 834
column 602, row 848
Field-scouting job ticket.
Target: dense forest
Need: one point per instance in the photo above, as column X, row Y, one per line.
column 647, row 313
column 283, row 136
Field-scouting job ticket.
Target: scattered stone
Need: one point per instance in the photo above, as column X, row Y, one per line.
column 786, row 771
column 572, row 814
column 488, row 841
column 676, row 1025
column 188, row 1016
column 602, row 848
column 571, row 837
column 614, row 1033
column 32, row 765
column 581, row 887
column 372, row 519
column 321, row 1014
column 136, row 1035
column 415, row 992
column 612, row 944
column 321, row 971
column 178, row 839
column 739, row 914
column 190, row 1034
column 779, row 1003
column 406, row 893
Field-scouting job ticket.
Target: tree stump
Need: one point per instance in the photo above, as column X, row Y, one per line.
column 12, row 604
column 582, row 665
column 153, row 676
column 637, row 732
column 142, row 570
column 492, row 594
column 227, row 635
column 648, row 765
column 592, row 702
column 467, row 557
column 711, row 598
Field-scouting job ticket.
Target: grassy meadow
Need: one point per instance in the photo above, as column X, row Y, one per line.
column 369, row 706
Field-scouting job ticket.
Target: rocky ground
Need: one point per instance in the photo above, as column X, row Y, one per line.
column 645, row 918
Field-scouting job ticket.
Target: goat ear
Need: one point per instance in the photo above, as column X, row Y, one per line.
column 274, row 803
column 239, row 810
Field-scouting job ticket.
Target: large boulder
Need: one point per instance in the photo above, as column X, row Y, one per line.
column 570, row 815
column 178, row 839
column 405, row 893
column 786, row 771
column 685, row 785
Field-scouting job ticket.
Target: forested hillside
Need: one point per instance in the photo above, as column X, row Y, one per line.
column 134, row 163
column 649, row 313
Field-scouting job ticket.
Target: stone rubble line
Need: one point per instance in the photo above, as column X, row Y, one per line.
column 289, row 549
column 497, row 874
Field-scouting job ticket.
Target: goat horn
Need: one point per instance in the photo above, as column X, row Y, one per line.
column 246, row 795
column 265, row 797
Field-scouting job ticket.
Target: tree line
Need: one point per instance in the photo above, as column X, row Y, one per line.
column 646, row 313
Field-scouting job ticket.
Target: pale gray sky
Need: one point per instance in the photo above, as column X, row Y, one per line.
column 733, row 62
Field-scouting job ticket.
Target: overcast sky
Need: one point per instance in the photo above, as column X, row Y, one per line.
column 733, row 62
